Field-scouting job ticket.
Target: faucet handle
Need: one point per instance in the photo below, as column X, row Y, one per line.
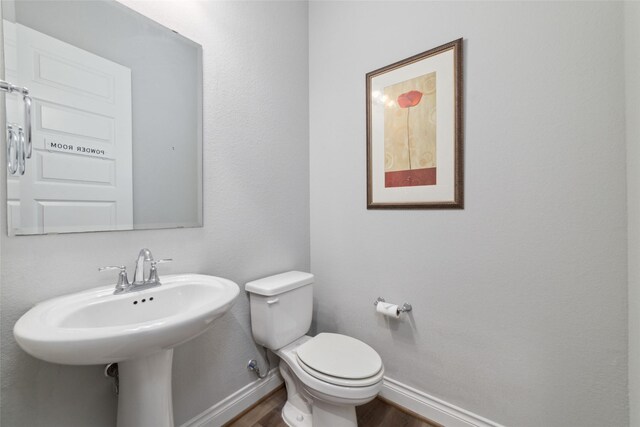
column 123, row 280
column 153, row 273
column 112, row 267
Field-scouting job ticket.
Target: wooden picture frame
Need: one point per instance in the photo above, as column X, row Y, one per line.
column 415, row 132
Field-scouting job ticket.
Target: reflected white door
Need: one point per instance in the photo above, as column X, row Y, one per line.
column 80, row 175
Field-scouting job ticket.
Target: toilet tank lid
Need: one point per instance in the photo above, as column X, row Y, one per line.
column 274, row 285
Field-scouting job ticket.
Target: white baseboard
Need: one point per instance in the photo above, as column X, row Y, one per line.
column 401, row 394
column 431, row 407
column 229, row 408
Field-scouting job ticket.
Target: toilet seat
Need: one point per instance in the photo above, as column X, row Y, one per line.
column 340, row 360
column 342, row 382
column 356, row 393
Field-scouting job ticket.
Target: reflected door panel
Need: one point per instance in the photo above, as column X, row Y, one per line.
column 80, row 176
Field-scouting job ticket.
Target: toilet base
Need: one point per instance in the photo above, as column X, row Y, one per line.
column 332, row 416
column 329, row 415
column 302, row 410
column 294, row 417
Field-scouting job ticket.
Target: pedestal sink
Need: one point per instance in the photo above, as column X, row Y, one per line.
column 137, row 329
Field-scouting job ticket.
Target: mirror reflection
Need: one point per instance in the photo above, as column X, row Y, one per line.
column 116, row 119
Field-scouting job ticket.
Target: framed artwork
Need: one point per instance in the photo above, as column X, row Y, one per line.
column 415, row 132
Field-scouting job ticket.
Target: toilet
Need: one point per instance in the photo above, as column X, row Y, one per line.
column 326, row 376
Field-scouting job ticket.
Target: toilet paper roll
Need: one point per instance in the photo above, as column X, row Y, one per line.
column 389, row 310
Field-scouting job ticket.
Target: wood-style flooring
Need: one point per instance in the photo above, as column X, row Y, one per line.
column 376, row 413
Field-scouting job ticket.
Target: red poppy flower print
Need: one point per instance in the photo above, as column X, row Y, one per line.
column 410, row 99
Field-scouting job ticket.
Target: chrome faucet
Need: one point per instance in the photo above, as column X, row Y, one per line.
column 138, row 275
column 139, row 281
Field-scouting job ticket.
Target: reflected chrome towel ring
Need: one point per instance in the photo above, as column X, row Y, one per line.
column 19, row 138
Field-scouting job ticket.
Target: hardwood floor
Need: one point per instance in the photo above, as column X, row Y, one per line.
column 376, row 413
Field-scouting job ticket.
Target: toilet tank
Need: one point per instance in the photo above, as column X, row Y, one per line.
column 281, row 308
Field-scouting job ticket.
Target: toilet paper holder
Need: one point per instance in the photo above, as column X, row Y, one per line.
column 401, row 309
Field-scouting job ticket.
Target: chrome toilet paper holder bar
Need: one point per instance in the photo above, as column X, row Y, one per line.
column 406, row 307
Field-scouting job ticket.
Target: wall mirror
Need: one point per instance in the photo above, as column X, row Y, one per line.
column 116, row 119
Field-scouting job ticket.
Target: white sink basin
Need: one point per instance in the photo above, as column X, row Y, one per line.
column 97, row 327
column 137, row 329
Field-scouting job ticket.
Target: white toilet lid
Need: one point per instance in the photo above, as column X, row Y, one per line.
column 340, row 356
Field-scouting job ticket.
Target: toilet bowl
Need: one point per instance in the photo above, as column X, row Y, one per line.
column 326, row 376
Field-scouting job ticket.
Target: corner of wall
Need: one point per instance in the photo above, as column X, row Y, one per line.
column 632, row 93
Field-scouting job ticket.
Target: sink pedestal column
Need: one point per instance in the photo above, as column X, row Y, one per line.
column 145, row 391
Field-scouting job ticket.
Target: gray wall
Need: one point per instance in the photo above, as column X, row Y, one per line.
column 520, row 299
column 165, row 86
column 632, row 91
column 256, row 218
